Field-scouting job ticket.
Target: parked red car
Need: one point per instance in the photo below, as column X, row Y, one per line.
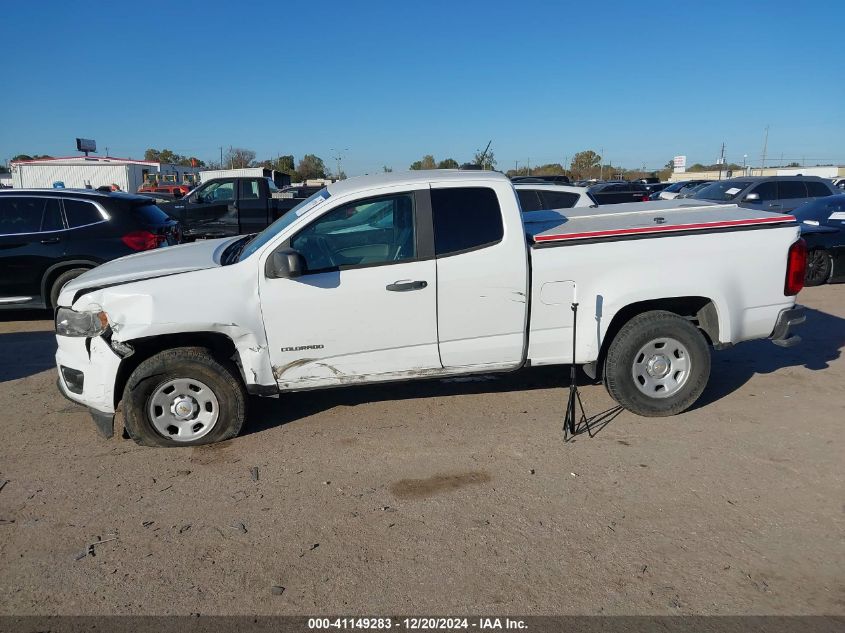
column 175, row 190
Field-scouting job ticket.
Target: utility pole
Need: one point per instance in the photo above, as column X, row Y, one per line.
column 221, row 157
column 516, row 167
column 529, row 165
column 765, row 146
column 601, row 164
column 721, row 160
column 107, row 150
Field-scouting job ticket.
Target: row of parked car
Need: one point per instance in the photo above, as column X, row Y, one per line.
column 50, row 236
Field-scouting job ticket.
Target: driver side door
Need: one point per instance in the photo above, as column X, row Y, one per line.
column 365, row 308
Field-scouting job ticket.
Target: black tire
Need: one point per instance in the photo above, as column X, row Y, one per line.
column 628, row 343
column 193, row 363
column 818, row 267
column 60, row 281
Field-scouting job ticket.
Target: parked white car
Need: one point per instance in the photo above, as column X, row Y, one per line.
column 540, row 197
column 418, row 275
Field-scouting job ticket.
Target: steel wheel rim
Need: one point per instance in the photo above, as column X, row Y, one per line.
column 183, row 409
column 661, row 367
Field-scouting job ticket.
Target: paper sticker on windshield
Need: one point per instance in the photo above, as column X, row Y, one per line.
column 733, row 191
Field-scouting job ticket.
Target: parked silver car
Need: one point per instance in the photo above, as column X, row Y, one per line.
column 770, row 193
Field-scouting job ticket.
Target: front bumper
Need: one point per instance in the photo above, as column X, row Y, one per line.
column 98, row 363
column 787, row 319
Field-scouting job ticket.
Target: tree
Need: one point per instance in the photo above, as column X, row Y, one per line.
column 486, row 160
column 449, row 163
column 311, row 166
column 172, row 158
column 20, row 157
column 387, row 169
column 284, row 164
column 427, row 162
column 584, row 163
column 238, row 158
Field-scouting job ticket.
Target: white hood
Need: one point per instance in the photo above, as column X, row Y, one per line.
column 153, row 263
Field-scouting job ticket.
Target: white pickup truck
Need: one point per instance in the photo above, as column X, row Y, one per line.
column 420, row 275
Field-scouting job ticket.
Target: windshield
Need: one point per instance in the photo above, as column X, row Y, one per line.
column 676, row 187
column 283, row 222
column 722, row 191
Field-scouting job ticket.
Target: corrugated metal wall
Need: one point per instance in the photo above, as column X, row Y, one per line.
column 74, row 176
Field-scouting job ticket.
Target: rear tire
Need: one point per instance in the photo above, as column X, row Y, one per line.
column 183, row 397
column 818, row 267
column 60, row 281
column 657, row 365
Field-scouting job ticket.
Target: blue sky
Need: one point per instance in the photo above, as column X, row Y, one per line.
column 392, row 81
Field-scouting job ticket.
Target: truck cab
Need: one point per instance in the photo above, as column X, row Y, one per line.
column 223, row 207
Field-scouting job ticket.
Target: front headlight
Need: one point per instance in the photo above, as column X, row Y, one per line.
column 72, row 323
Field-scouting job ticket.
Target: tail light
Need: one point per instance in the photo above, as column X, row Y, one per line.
column 796, row 266
column 142, row 240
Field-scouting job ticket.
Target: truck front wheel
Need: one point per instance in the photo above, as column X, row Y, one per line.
column 657, row 365
column 183, row 397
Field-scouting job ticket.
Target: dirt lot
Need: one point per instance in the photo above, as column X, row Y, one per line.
column 439, row 497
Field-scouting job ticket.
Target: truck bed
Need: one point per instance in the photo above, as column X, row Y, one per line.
column 642, row 219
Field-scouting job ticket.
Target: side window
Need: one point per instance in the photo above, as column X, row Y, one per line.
column 766, row 190
column 559, row 199
column 465, row 218
column 52, row 219
column 20, row 215
column 791, row 189
column 363, row 233
column 529, row 200
column 249, row 190
column 81, row 213
column 219, row 192
column 817, row 189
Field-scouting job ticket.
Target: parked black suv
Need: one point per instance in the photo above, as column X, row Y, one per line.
column 50, row 236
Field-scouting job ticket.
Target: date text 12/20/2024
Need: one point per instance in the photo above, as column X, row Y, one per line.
column 417, row 624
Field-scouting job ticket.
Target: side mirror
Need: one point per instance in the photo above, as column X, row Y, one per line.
column 752, row 197
column 285, row 263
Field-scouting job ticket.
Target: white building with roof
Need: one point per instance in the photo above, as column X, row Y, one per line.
column 80, row 172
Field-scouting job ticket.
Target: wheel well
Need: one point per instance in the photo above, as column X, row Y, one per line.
column 220, row 345
column 701, row 311
column 53, row 273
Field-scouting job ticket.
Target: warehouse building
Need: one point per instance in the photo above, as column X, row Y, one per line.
column 81, row 172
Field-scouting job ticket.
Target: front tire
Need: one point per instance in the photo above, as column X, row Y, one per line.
column 183, row 397
column 818, row 267
column 60, row 281
column 657, row 365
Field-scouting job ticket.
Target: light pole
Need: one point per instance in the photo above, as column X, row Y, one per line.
column 744, row 159
column 338, row 158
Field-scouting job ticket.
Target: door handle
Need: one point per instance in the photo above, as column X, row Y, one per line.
column 405, row 286
column 775, row 206
column 51, row 240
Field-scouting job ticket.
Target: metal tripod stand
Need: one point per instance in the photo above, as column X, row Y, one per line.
column 574, row 403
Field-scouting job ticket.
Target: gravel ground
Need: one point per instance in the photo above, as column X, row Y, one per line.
column 438, row 497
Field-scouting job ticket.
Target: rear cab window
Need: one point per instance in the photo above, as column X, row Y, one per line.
column 465, row 219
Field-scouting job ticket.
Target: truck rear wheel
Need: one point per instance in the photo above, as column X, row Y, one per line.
column 657, row 365
column 183, row 397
